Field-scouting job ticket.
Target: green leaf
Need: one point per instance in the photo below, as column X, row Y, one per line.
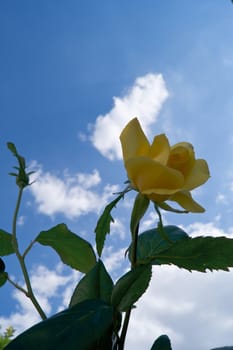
column 103, row 224
column 72, row 249
column 6, row 247
column 150, row 243
column 3, row 278
column 199, row 254
column 96, row 284
column 140, row 207
column 87, row 325
column 162, row 343
column 130, row 287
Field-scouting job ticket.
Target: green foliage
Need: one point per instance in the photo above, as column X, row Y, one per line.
column 103, row 224
column 6, row 247
column 130, row 287
column 3, row 278
column 5, row 338
column 22, row 177
column 96, row 284
column 86, row 325
column 151, row 243
column 162, row 343
column 193, row 254
column 93, row 319
column 199, row 254
column 72, row 249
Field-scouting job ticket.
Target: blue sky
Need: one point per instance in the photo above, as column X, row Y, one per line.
column 72, row 74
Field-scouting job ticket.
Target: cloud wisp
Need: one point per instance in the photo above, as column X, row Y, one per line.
column 193, row 309
column 59, row 285
column 70, row 195
column 144, row 99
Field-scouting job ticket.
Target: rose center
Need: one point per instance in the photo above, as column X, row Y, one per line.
column 178, row 156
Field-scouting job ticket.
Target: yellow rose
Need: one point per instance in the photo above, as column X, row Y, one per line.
column 162, row 172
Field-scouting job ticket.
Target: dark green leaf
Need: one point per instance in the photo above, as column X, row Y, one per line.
column 150, row 242
column 3, row 278
column 130, row 287
column 103, row 224
column 6, row 247
column 162, row 343
column 140, row 207
column 72, row 249
column 199, row 254
column 85, row 326
column 96, row 284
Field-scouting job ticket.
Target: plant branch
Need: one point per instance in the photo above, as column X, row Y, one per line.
column 124, row 329
column 128, row 312
column 20, row 257
column 17, row 286
column 160, row 226
column 134, row 247
column 28, row 248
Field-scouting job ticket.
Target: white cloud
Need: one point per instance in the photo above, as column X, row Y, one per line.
column 144, row 100
column 207, row 229
column 151, row 220
column 46, row 284
column 114, row 259
column 193, row 309
column 118, row 228
column 70, row 195
column 89, row 180
column 21, row 220
column 221, row 198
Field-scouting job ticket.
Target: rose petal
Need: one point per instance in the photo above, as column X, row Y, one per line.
column 160, row 149
column 182, row 157
column 198, row 176
column 185, row 200
column 133, row 140
column 149, row 176
column 158, row 198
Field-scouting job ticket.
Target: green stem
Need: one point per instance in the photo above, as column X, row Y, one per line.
column 17, row 286
column 124, row 329
column 20, row 257
column 134, row 247
column 160, row 226
column 28, row 248
column 128, row 312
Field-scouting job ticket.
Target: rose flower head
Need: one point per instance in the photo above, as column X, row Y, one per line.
column 160, row 171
